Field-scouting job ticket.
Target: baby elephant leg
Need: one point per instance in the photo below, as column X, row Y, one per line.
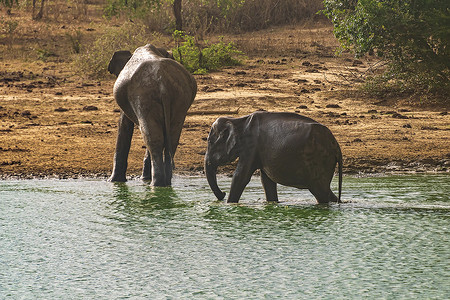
column 323, row 194
column 270, row 187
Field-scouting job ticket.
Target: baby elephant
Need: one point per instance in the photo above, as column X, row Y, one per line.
column 287, row 148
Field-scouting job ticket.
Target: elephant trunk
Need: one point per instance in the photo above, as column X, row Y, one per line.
column 211, row 176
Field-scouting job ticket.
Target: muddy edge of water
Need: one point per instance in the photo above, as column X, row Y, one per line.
column 430, row 167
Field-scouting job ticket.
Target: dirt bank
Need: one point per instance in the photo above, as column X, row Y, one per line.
column 53, row 123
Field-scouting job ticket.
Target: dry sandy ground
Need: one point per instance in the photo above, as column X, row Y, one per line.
column 53, row 123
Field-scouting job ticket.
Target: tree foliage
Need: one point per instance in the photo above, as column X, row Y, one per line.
column 200, row 59
column 412, row 35
column 132, row 7
column 9, row 3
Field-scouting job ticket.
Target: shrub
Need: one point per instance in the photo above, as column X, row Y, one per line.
column 205, row 16
column 94, row 60
column 412, row 35
column 201, row 59
column 8, row 28
column 45, row 54
column 75, row 40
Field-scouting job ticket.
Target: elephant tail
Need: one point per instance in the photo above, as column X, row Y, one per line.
column 339, row 159
column 165, row 101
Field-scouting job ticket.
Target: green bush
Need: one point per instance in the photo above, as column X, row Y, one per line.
column 199, row 59
column 94, row 60
column 134, row 8
column 75, row 40
column 413, row 36
column 45, row 54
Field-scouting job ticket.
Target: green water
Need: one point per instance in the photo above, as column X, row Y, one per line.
column 90, row 239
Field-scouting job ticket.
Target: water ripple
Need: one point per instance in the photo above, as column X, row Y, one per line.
column 91, row 239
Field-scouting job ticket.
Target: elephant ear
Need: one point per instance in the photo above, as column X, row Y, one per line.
column 231, row 139
column 164, row 53
column 118, row 61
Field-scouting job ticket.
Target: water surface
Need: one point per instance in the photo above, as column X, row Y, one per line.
column 90, row 239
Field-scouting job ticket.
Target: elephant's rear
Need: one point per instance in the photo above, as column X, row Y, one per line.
column 302, row 153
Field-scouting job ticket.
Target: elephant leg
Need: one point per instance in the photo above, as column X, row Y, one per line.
column 153, row 136
column 241, row 178
column 123, row 143
column 323, row 193
column 270, row 187
column 147, row 169
column 168, row 167
column 169, row 164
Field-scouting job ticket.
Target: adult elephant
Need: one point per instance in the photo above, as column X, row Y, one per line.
column 154, row 92
column 287, row 148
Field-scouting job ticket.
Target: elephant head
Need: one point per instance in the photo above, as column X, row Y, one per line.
column 223, row 141
column 118, row 61
column 120, row 58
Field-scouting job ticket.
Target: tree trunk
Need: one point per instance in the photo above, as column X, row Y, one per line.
column 177, row 13
column 40, row 14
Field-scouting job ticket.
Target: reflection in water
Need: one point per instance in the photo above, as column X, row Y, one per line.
column 274, row 216
column 97, row 240
column 152, row 198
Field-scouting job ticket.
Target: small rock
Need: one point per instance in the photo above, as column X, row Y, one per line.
column 333, row 115
column 357, row 140
column 429, row 128
column 333, row 106
column 90, row 108
column 61, row 109
column 407, row 126
column 396, row 115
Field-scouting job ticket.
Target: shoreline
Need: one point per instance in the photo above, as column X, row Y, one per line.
column 391, row 169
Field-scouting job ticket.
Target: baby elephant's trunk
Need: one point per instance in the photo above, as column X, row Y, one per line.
column 211, row 176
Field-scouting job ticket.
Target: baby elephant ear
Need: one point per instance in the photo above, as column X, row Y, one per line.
column 118, row 61
column 231, row 139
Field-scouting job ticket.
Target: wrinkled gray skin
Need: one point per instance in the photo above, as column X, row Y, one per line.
column 287, row 148
column 154, row 92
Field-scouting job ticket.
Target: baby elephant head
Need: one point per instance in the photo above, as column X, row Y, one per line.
column 222, row 149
